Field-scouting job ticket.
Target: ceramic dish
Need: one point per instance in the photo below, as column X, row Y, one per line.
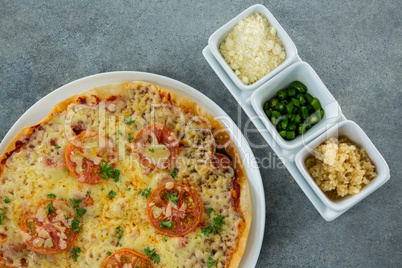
column 43, row 106
column 252, row 101
column 302, row 72
column 219, row 35
column 351, row 130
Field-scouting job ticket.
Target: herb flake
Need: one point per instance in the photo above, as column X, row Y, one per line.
column 166, row 224
column 51, row 196
column 152, row 255
column 210, row 262
column 172, row 196
column 76, row 225
column 76, row 205
column 108, row 171
column 119, row 232
column 146, row 192
column 112, row 194
column 49, row 209
column 76, row 251
column 128, row 120
column 173, row 173
column 2, row 215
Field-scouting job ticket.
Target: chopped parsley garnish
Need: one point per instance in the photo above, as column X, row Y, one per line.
column 172, row 196
column 210, row 262
column 76, row 225
column 146, row 193
column 109, row 253
column 173, row 173
column 76, row 205
column 199, row 235
column 131, row 138
column 112, row 194
column 75, row 252
column 209, row 211
column 2, row 215
column 120, row 133
column 218, row 222
column 119, row 232
column 108, row 171
column 128, row 120
column 207, row 230
column 166, row 224
column 6, row 200
column 217, row 226
column 88, row 192
column 57, row 147
column 49, row 209
column 152, row 255
column 129, row 189
column 151, row 150
column 165, row 239
column 51, row 196
column 48, row 154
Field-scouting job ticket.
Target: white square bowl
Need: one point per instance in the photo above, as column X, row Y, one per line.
column 353, row 132
column 302, row 72
column 219, row 35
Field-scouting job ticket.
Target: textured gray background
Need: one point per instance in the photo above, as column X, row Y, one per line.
column 354, row 46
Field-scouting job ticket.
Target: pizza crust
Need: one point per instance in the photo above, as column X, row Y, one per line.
column 106, row 91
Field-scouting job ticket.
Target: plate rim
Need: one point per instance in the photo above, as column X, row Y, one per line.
column 43, row 106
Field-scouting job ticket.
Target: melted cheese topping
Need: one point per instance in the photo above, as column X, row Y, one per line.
column 39, row 169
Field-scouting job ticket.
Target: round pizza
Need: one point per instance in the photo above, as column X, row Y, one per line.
column 124, row 175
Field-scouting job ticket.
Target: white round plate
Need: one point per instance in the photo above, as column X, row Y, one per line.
column 40, row 109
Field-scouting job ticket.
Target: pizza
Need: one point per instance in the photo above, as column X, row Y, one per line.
column 124, row 175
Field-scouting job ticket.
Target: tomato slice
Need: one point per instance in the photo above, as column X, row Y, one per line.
column 220, row 162
column 85, row 153
column 49, row 229
column 174, row 209
column 156, row 146
column 126, row 258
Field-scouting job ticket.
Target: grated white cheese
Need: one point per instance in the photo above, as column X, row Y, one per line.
column 253, row 49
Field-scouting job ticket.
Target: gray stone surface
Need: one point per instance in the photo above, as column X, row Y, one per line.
column 354, row 46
